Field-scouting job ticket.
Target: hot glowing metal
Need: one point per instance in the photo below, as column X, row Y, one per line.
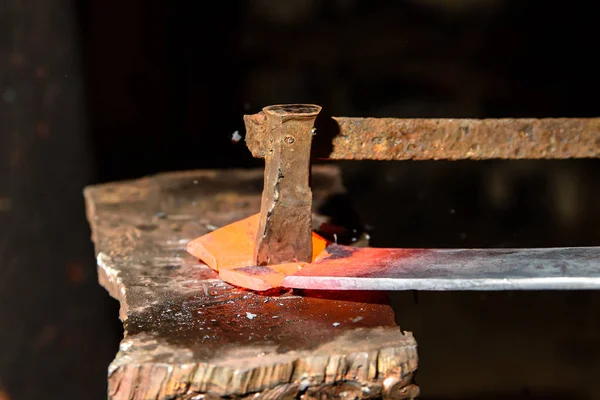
column 230, row 251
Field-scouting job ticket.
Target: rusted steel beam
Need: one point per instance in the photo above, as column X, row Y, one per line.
column 452, row 139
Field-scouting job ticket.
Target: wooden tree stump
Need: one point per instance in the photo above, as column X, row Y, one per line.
column 189, row 335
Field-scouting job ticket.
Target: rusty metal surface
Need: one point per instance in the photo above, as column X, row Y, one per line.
column 450, row 139
column 284, row 231
column 458, row 139
column 189, row 333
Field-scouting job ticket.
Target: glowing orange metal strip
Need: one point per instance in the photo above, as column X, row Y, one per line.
column 230, row 251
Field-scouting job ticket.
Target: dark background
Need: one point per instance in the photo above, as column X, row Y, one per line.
column 100, row 90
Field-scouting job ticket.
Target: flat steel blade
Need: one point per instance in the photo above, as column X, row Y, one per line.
column 347, row 268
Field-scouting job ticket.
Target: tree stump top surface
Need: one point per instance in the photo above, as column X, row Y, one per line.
column 189, row 334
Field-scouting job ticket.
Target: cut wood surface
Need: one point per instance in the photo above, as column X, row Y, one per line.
column 189, row 335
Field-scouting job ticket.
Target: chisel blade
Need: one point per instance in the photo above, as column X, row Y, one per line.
column 347, row 268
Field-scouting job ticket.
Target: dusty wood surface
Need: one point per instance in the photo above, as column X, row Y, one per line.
column 189, row 335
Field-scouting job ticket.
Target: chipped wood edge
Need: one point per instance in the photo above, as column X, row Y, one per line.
column 379, row 373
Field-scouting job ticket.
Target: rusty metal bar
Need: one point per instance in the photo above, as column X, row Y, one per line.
column 457, row 139
column 451, row 139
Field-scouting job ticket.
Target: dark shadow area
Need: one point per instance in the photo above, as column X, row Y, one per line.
column 525, row 394
column 526, row 343
column 359, row 296
column 542, row 203
column 326, row 129
column 344, row 225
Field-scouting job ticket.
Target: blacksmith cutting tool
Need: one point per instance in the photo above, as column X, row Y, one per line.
column 277, row 247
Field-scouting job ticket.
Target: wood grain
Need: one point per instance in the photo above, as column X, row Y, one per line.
column 189, row 335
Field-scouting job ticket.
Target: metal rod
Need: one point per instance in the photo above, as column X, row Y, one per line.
column 448, row 139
